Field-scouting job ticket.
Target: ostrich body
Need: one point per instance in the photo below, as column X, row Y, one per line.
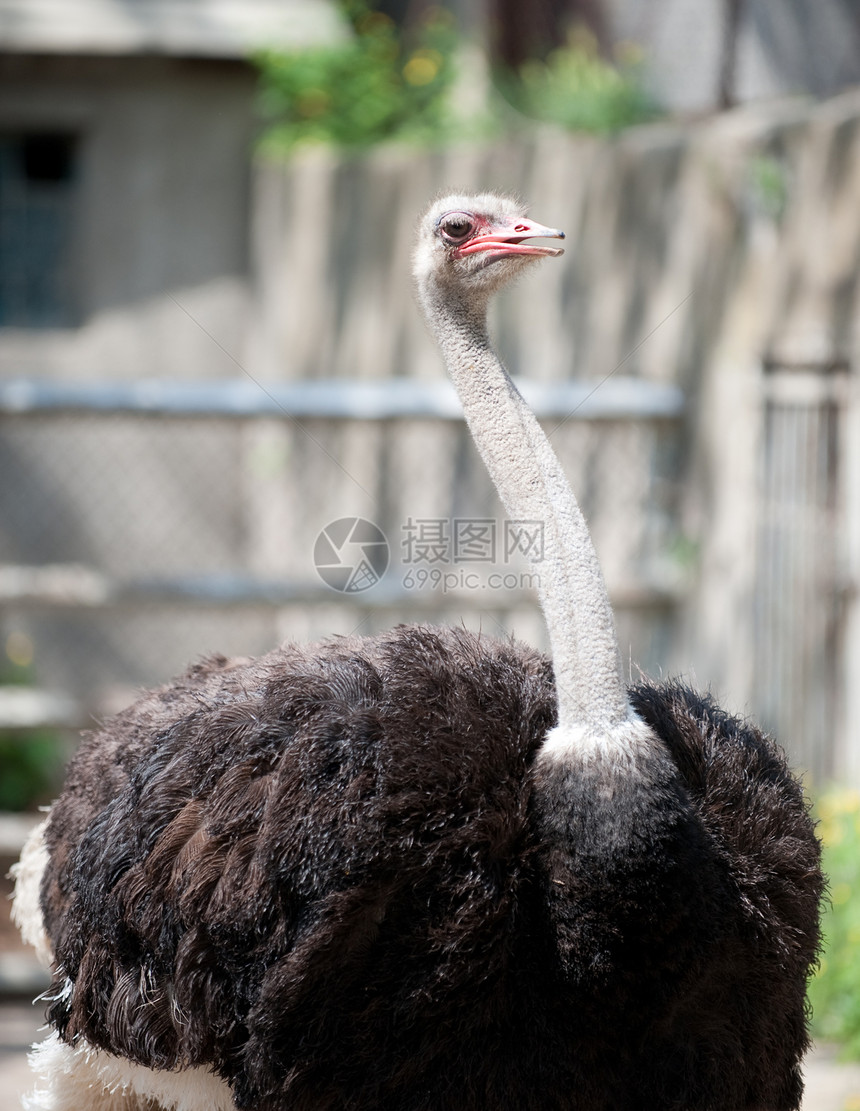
column 429, row 871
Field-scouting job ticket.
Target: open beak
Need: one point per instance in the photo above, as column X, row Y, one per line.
column 502, row 242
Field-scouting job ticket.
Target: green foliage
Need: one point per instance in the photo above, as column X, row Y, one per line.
column 769, row 185
column 31, row 763
column 835, row 991
column 376, row 87
column 579, row 90
column 30, row 767
column 385, row 84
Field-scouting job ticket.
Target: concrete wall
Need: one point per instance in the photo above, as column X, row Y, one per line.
column 160, row 210
column 186, row 28
column 784, row 48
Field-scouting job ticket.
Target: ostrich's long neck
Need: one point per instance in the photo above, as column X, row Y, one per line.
column 532, row 487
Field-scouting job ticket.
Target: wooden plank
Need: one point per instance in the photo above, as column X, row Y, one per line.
column 14, row 831
column 37, row 586
column 28, row 708
column 22, row 975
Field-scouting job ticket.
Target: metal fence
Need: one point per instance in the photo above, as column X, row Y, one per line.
column 801, row 575
column 144, row 526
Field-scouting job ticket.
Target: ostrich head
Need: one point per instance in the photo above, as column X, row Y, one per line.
column 470, row 246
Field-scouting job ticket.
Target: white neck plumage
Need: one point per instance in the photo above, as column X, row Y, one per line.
column 592, row 699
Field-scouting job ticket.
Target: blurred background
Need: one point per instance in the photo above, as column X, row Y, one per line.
column 211, row 368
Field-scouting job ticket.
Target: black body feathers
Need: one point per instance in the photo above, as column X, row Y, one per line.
column 335, row 877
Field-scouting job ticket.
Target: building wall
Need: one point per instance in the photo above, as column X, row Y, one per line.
column 784, row 48
column 163, row 154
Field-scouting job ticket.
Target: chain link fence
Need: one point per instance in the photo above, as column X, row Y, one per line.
column 172, row 537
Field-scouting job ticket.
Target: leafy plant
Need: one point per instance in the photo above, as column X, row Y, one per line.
column 31, row 763
column 378, row 86
column 30, row 767
column 578, row 89
column 768, row 180
column 835, row 991
column 385, row 84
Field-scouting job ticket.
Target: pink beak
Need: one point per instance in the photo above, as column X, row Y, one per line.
column 500, row 242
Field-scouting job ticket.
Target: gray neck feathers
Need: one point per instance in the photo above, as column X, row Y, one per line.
column 532, row 487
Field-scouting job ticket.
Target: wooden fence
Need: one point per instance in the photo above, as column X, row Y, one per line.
column 720, row 258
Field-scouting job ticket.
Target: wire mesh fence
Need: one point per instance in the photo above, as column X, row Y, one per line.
column 800, row 610
column 202, row 534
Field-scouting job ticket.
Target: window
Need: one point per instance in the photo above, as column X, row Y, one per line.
column 37, row 179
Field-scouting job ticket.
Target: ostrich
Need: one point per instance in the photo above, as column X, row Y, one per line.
column 431, row 871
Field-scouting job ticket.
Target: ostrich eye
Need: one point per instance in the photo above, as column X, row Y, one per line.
column 456, row 226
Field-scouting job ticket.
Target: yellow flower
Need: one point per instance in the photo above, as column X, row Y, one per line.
column 422, row 67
